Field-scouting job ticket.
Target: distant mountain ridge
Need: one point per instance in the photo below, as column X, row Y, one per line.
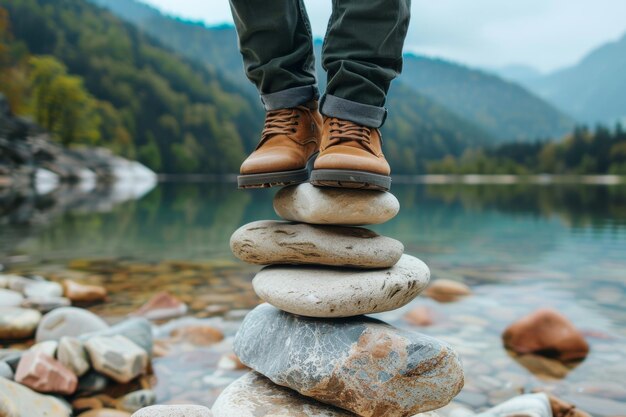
column 503, row 110
column 594, row 90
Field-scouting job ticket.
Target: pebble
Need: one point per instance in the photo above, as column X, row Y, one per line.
column 136, row 400
column 253, row 395
column 6, row 371
column 197, row 335
column 268, row 242
column 332, row 292
column 68, row 321
column 83, row 293
column 162, row 306
column 176, row 411
column 43, row 289
column 421, row 316
column 137, row 329
column 45, row 304
column 546, row 332
column 91, row 383
column 42, row 373
column 360, row 364
column 308, row 204
column 49, row 347
column 72, row 354
column 10, row 298
column 17, row 400
column 446, row 290
column 18, row 323
column 117, row 357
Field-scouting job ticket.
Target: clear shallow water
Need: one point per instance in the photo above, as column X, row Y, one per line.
column 519, row 247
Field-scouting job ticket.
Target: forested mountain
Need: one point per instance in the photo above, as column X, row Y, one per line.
column 506, row 110
column 594, row 90
column 179, row 115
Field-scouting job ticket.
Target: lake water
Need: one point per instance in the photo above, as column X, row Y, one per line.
column 519, row 247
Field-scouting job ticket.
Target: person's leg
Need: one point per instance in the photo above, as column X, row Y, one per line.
column 276, row 43
column 362, row 54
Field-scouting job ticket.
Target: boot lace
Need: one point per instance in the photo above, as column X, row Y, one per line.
column 347, row 131
column 279, row 122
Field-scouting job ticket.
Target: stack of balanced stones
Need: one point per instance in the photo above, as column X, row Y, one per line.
column 312, row 350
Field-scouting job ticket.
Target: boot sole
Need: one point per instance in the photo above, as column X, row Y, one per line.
column 277, row 178
column 346, row 178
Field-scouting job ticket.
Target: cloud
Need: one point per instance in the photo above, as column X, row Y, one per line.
column 546, row 34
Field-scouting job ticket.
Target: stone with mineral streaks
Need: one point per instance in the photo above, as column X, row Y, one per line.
column 360, row 364
column 341, row 292
column 117, row 357
column 42, row 373
column 18, row 323
column 175, row 411
column 308, row 204
column 16, row 400
column 268, row 242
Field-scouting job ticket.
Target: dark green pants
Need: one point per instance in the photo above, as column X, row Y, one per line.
column 362, row 54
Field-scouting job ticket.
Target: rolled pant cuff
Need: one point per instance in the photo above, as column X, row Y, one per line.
column 290, row 97
column 363, row 114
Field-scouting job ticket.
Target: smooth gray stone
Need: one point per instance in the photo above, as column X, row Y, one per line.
column 46, row 304
column 6, row 371
column 10, row 298
column 359, row 364
column 136, row 400
column 92, row 383
column 137, row 329
column 68, row 321
column 268, row 242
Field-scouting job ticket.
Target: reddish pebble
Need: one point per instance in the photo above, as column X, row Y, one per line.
column 42, row 373
column 162, row 306
column 446, row 290
column 198, row 335
column 546, row 332
column 81, row 292
column 420, row 316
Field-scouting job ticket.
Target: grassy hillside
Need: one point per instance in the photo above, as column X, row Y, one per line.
column 181, row 116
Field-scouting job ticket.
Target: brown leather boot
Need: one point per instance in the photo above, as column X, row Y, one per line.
column 351, row 156
column 288, row 147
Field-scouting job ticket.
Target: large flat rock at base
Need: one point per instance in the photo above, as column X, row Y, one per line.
column 308, row 204
column 253, row 395
column 316, row 291
column 359, row 364
column 268, row 242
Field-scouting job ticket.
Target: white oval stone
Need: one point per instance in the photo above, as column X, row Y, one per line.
column 18, row 400
column 308, row 204
column 10, row 298
column 68, row 321
column 268, row 242
column 341, row 292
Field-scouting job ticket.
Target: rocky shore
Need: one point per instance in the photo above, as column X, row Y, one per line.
column 29, row 159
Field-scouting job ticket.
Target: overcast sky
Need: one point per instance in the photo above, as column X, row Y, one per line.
column 545, row 34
